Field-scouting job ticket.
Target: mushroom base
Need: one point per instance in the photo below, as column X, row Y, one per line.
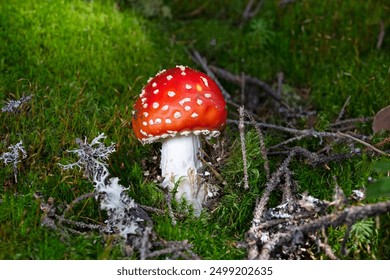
column 179, row 165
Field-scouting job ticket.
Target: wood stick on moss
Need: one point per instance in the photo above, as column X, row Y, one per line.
column 197, row 57
column 241, row 128
column 270, row 186
column 364, row 143
column 346, row 216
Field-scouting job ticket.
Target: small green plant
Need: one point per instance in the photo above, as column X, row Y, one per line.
column 261, row 32
column 362, row 238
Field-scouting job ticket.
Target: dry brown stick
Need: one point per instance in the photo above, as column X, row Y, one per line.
column 304, row 132
column 383, row 142
column 324, row 246
column 241, row 128
column 342, row 111
column 381, row 35
column 214, row 171
column 349, row 123
column 288, row 141
column 363, row 143
column 287, row 187
column 203, row 63
column 75, row 201
column 237, row 79
column 249, row 12
column 270, row 186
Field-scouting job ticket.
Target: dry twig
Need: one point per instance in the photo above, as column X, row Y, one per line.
column 250, row 12
column 241, row 128
column 381, row 35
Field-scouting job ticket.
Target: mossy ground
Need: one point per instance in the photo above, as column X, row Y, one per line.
column 85, row 63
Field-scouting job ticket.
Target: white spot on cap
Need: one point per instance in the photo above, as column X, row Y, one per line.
column 143, row 132
column 145, row 105
column 155, row 91
column 187, row 86
column 199, row 101
column 162, row 71
column 204, row 80
column 187, row 99
column 182, row 68
column 146, row 114
column 145, row 123
column 172, row 132
column 207, row 95
column 168, row 121
column 171, row 93
column 194, row 115
column 183, row 73
column 142, row 93
column 149, row 79
column 155, row 105
column 169, row 77
column 151, row 122
column 165, row 107
column 157, row 121
column 154, row 84
column 187, row 108
column 177, row 115
column 143, row 100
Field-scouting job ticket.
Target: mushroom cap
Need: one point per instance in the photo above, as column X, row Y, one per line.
column 179, row 101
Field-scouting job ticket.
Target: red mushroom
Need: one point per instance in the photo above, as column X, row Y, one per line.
column 175, row 107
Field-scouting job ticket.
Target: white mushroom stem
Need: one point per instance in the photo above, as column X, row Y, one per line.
column 179, row 165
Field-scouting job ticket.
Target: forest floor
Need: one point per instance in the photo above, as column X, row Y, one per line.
column 296, row 169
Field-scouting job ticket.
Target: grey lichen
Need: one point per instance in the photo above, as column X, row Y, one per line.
column 14, row 156
column 13, row 106
column 124, row 217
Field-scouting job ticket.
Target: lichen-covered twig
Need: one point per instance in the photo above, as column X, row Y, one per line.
column 14, row 156
column 250, row 12
column 241, row 128
column 345, row 216
column 289, row 230
column 125, row 217
column 13, row 106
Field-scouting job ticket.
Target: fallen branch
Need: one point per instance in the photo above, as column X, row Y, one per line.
column 347, row 216
column 237, row 79
column 203, row 63
column 241, row 129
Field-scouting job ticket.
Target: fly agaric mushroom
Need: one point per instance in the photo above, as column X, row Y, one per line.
column 176, row 107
